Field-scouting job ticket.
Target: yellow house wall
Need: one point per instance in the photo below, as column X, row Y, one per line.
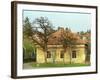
column 58, row 59
column 40, row 56
column 66, row 56
column 80, row 55
column 57, row 56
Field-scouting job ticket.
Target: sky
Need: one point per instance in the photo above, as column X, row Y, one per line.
column 75, row 21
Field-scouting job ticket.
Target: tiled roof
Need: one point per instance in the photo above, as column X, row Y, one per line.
column 58, row 37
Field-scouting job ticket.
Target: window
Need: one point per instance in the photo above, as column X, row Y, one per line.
column 62, row 54
column 48, row 54
column 73, row 54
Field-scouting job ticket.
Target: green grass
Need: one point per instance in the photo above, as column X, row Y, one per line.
column 57, row 65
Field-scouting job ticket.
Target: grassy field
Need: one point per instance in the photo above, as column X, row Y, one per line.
column 57, row 65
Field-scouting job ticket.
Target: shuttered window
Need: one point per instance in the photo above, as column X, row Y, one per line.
column 48, row 54
column 73, row 54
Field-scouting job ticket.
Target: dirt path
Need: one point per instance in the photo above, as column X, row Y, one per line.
column 27, row 66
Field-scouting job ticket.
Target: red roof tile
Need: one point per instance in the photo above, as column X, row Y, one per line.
column 57, row 37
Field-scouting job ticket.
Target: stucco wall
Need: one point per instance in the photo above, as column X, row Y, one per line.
column 40, row 56
column 80, row 55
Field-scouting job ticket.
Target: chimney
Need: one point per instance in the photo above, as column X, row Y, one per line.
column 60, row 28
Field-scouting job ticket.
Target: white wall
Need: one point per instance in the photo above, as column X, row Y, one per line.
column 5, row 44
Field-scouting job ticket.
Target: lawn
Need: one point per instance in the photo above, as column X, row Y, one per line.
column 41, row 65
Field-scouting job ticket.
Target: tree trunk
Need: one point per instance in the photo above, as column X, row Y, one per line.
column 45, row 52
column 70, row 55
column 45, row 56
column 65, row 51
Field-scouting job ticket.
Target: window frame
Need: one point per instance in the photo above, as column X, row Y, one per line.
column 74, row 54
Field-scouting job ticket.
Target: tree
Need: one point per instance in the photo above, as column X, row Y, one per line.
column 29, row 48
column 88, row 46
column 87, row 35
column 69, row 40
column 27, row 28
column 43, row 28
column 38, row 32
column 28, row 44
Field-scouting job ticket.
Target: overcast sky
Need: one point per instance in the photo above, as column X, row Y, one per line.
column 75, row 21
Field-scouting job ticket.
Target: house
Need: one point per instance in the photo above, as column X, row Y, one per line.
column 60, row 52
